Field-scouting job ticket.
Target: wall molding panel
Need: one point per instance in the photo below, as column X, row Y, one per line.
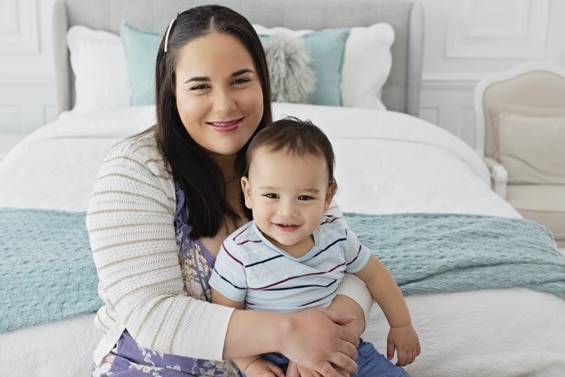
column 449, row 104
column 475, row 29
column 26, row 102
column 19, row 27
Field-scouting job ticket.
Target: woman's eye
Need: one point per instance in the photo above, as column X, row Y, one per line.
column 199, row 87
column 241, row 80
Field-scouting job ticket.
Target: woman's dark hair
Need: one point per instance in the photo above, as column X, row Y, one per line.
column 296, row 136
column 192, row 168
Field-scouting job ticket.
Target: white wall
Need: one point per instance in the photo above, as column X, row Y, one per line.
column 465, row 40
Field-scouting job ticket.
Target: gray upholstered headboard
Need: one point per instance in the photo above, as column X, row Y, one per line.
column 400, row 93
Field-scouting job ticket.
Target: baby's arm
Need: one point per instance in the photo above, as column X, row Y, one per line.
column 253, row 366
column 402, row 336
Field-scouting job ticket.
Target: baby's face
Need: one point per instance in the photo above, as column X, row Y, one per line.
column 288, row 195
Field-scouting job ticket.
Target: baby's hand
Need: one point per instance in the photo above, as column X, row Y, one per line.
column 405, row 341
column 263, row 368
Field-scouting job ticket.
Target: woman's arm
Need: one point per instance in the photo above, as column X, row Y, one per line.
column 238, row 345
column 294, row 335
column 243, row 363
column 314, row 338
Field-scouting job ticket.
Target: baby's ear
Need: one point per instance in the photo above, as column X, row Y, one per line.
column 332, row 189
column 246, row 188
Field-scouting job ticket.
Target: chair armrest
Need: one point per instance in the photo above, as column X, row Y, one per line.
column 498, row 176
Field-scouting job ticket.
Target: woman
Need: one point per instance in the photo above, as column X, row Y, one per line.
column 168, row 197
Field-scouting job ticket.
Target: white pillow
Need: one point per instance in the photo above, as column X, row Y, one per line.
column 366, row 66
column 99, row 65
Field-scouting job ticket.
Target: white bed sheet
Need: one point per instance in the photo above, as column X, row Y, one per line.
column 386, row 163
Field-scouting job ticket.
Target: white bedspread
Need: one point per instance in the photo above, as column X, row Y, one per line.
column 386, row 163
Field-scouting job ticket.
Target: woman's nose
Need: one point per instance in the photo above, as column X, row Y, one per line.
column 224, row 101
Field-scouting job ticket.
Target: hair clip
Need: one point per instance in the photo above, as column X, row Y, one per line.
column 168, row 32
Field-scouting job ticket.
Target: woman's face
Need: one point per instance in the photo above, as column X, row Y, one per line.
column 218, row 93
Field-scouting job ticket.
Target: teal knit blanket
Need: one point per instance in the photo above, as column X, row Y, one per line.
column 440, row 253
column 47, row 272
column 46, row 267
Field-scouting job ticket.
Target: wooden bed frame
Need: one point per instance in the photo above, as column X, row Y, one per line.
column 400, row 93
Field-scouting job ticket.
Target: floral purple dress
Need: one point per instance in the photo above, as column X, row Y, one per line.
column 128, row 359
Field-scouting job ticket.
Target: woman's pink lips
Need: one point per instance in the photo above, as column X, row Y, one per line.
column 228, row 126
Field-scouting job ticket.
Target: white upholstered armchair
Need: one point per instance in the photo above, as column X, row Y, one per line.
column 520, row 116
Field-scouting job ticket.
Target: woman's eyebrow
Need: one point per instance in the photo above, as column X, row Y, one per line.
column 205, row 78
column 197, row 78
column 241, row 72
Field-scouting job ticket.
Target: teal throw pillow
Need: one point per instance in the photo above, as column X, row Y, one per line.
column 327, row 50
column 140, row 48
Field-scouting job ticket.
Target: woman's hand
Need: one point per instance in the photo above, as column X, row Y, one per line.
column 294, row 370
column 357, row 325
column 263, row 368
column 319, row 340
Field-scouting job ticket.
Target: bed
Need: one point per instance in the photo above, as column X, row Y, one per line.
column 485, row 287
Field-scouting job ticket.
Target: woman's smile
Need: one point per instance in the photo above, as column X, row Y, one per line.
column 226, row 126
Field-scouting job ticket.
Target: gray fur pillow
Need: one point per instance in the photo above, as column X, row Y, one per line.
column 290, row 69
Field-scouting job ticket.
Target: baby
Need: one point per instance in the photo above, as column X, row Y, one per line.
column 292, row 256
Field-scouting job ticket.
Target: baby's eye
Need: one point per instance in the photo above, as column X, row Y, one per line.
column 305, row 197
column 271, row 196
